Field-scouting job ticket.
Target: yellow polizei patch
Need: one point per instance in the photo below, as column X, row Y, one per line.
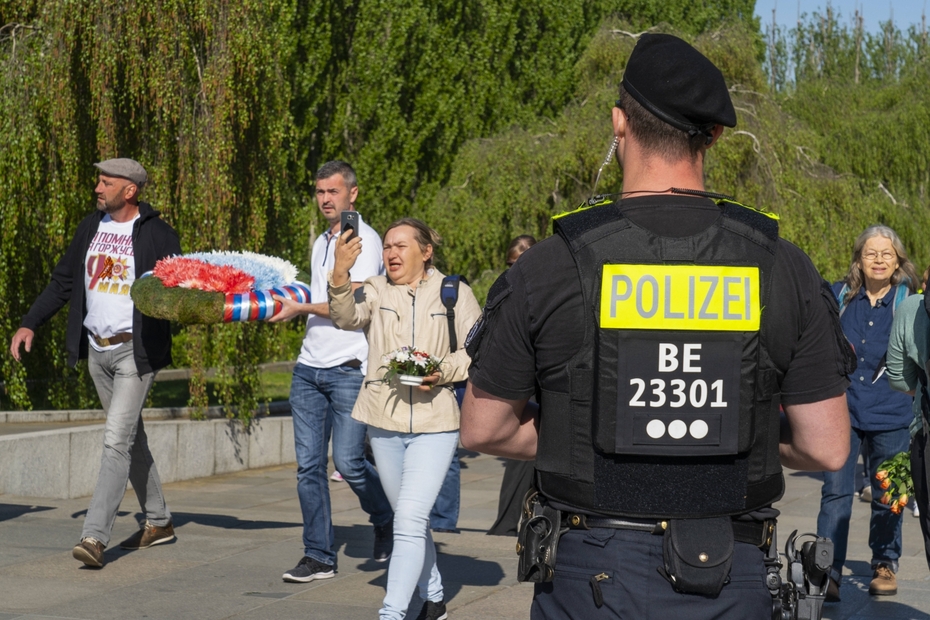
column 680, row 297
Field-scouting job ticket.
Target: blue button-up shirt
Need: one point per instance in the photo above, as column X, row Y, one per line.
column 872, row 406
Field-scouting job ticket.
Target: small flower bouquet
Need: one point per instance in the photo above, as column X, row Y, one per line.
column 409, row 365
column 894, row 476
column 218, row 287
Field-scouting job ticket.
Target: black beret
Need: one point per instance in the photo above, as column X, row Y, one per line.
column 678, row 84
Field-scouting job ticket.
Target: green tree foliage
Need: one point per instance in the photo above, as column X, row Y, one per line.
column 232, row 105
column 864, row 96
column 777, row 159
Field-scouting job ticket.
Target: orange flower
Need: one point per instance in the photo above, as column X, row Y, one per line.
column 903, row 500
column 881, row 475
column 886, row 498
column 885, row 483
column 896, row 508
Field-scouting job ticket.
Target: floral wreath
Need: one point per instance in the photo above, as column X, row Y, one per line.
column 218, row 287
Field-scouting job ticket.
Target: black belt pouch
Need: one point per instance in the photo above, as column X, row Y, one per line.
column 698, row 554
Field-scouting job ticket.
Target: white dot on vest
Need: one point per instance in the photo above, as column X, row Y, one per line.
column 677, row 429
column 699, row 429
column 655, row 429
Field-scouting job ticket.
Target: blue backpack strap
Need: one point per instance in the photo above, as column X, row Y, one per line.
column 900, row 295
column 449, row 295
column 841, row 297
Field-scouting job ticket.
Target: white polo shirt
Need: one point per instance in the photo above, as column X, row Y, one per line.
column 324, row 345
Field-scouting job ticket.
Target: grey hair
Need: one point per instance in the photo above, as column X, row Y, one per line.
column 906, row 273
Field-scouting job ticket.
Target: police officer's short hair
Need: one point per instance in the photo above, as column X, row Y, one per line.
column 337, row 166
column 655, row 136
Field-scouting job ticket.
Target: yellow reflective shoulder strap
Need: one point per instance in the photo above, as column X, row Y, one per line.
column 598, row 201
column 768, row 214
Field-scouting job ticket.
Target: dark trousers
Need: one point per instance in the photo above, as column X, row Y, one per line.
column 633, row 588
column 920, row 471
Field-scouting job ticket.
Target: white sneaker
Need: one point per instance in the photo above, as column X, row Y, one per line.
column 337, row 477
column 916, row 510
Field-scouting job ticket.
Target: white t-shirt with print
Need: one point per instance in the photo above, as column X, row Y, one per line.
column 109, row 271
column 326, row 346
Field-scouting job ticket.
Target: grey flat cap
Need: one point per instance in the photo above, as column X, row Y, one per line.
column 125, row 168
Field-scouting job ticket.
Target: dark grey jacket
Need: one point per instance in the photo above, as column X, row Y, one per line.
column 152, row 239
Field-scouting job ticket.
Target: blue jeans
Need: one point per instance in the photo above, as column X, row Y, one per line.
column 321, row 406
column 837, row 497
column 126, row 455
column 412, row 467
column 445, row 513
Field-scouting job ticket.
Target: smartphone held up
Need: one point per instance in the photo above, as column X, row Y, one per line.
column 350, row 221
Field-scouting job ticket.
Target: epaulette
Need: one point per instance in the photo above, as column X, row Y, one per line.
column 766, row 223
column 593, row 213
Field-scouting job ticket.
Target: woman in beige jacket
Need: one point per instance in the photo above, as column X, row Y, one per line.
column 413, row 430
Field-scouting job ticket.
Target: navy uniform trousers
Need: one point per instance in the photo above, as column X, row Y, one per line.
column 634, row 589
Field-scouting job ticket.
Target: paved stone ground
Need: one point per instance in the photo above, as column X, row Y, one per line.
column 238, row 533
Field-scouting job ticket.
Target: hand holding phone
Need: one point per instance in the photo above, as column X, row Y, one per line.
column 350, row 221
column 348, row 246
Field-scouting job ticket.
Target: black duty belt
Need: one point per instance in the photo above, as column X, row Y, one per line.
column 758, row 533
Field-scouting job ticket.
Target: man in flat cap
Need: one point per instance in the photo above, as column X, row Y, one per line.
column 112, row 246
column 639, row 327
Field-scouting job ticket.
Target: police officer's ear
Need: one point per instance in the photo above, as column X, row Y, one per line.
column 620, row 122
column 715, row 133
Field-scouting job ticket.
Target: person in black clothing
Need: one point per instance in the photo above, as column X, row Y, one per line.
column 641, row 327
column 111, row 248
column 518, row 475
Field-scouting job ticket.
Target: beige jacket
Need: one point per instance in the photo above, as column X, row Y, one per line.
column 395, row 316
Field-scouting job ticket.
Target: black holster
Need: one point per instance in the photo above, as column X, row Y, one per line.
column 698, row 554
column 538, row 539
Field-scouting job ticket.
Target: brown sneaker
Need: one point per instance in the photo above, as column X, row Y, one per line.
column 89, row 551
column 149, row 536
column 884, row 583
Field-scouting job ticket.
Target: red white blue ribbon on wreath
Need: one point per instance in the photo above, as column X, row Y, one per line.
column 259, row 305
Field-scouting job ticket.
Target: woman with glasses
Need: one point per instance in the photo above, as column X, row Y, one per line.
column 880, row 276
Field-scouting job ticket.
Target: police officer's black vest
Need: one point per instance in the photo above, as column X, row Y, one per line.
column 672, row 409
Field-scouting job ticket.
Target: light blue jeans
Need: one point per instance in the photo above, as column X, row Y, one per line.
column 412, row 468
column 126, row 453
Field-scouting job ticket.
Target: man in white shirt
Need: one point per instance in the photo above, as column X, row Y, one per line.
column 111, row 247
column 326, row 382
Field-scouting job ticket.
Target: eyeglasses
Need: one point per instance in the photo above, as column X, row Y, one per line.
column 873, row 256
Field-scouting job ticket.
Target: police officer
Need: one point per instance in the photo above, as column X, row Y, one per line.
column 661, row 331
